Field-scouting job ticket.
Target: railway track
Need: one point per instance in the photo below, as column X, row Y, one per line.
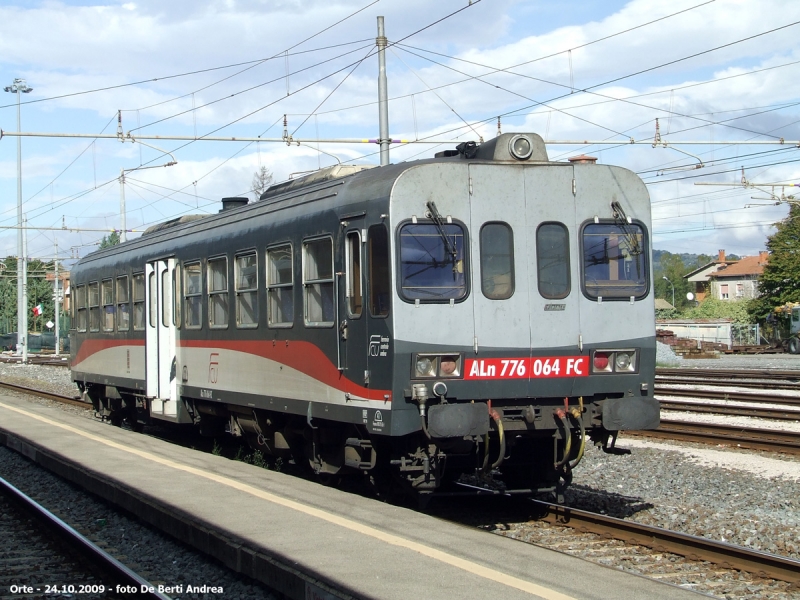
column 35, row 359
column 759, row 384
column 771, row 440
column 728, row 556
column 730, row 374
column 71, row 400
column 727, row 410
column 764, row 398
column 45, row 557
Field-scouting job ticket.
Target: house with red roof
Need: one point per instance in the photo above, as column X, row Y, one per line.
column 738, row 281
column 700, row 278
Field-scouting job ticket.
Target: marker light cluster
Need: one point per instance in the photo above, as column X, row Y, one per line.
column 436, row 365
column 615, row 361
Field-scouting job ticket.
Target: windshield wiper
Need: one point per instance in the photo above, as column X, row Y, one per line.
column 623, row 221
column 439, row 222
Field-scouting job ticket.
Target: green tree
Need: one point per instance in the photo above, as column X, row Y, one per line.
column 8, row 294
column 780, row 281
column 40, row 291
column 112, row 239
column 673, row 268
column 262, row 179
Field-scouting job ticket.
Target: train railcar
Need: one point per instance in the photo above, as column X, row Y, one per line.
column 467, row 321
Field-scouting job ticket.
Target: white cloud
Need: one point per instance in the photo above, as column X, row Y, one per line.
column 62, row 48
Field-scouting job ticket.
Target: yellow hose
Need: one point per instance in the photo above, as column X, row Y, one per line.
column 568, row 445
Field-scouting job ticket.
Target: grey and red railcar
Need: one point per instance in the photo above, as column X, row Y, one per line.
column 466, row 321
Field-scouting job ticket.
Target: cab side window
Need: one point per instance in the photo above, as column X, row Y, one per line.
column 552, row 260
column 379, row 274
column 497, row 261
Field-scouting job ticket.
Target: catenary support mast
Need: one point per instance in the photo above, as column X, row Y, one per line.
column 383, row 95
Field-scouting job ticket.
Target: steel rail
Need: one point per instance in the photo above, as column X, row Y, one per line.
column 731, row 411
column 75, row 541
column 773, row 440
column 762, row 383
column 723, row 395
column 730, row 374
column 692, row 547
column 34, row 359
column 74, row 400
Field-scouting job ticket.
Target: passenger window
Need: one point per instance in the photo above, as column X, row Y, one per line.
column 80, row 307
column 166, row 298
column 138, row 301
column 432, row 262
column 123, row 309
column 318, row 282
column 552, row 260
column 176, row 295
column 218, row 292
column 107, row 291
column 193, row 300
column 247, row 290
column 379, row 279
column 497, row 261
column 151, row 284
column 280, row 295
column 354, row 296
column 94, row 306
column 614, row 260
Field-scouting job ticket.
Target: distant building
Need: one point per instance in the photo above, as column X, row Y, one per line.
column 63, row 287
column 662, row 304
column 700, row 278
column 739, row 281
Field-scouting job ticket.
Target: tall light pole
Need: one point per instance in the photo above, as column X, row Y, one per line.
column 673, row 289
column 20, row 87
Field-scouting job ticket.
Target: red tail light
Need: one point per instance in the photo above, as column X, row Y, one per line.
column 600, row 361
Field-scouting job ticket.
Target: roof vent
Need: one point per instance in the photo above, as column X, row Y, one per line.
column 583, row 159
column 229, row 203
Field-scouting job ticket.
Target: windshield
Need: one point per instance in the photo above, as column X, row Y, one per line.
column 429, row 271
column 614, row 261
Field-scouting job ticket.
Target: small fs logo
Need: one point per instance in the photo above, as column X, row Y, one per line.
column 374, row 345
column 213, row 367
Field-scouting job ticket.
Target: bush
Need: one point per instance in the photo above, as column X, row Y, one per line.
column 712, row 308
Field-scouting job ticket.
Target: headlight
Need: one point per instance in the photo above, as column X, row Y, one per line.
column 622, row 361
column 450, row 365
column 520, row 147
column 436, row 365
column 425, row 367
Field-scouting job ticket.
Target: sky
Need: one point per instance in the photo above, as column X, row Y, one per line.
column 707, row 71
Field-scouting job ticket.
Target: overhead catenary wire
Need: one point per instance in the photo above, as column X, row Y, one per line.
column 649, row 69
column 320, row 32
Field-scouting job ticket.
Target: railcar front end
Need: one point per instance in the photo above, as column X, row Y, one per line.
column 523, row 317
